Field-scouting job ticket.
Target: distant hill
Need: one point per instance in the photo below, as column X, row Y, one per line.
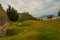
column 45, row 17
column 26, row 16
column 3, row 16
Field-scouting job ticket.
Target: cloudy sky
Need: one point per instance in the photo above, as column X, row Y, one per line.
column 35, row 7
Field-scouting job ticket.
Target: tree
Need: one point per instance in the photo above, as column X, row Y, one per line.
column 59, row 13
column 12, row 13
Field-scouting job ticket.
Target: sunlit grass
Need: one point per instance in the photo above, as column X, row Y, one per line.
column 35, row 30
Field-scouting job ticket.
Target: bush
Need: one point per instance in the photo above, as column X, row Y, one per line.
column 13, row 31
column 59, row 13
column 12, row 13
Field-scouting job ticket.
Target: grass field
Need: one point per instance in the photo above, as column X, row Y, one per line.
column 34, row 30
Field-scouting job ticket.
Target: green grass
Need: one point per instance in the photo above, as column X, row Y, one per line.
column 34, row 30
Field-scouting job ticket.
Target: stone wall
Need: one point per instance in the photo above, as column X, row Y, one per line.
column 3, row 16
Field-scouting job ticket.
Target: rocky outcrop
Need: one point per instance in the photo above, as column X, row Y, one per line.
column 26, row 16
column 3, row 16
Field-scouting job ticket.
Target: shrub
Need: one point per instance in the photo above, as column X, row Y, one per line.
column 12, row 13
column 59, row 13
column 12, row 31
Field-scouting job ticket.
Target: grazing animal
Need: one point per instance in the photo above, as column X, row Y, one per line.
column 50, row 17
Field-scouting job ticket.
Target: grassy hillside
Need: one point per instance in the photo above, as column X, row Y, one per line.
column 34, row 30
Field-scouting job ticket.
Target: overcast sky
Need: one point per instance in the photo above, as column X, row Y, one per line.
column 35, row 7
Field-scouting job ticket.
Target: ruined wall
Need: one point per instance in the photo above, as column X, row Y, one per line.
column 3, row 16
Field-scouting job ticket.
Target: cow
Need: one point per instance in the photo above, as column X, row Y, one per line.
column 49, row 17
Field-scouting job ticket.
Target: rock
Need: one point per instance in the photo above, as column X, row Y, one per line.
column 20, row 24
column 25, row 16
column 3, row 16
column 2, row 32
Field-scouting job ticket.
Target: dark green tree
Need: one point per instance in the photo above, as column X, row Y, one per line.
column 12, row 13
column 59, row 13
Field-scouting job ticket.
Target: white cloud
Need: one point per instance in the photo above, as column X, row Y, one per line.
column 34, row 5
column 54, row 7
column 18, row 2
column 48, row 1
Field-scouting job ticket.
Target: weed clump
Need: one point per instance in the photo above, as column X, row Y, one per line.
column 12, row 31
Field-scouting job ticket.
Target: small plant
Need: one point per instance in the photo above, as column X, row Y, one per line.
column 59, row 13
column 12, row 31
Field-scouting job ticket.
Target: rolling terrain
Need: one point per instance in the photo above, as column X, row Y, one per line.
column 34, row 30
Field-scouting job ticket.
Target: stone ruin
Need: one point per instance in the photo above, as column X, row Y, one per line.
column 3, row 16
column 4, row 21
